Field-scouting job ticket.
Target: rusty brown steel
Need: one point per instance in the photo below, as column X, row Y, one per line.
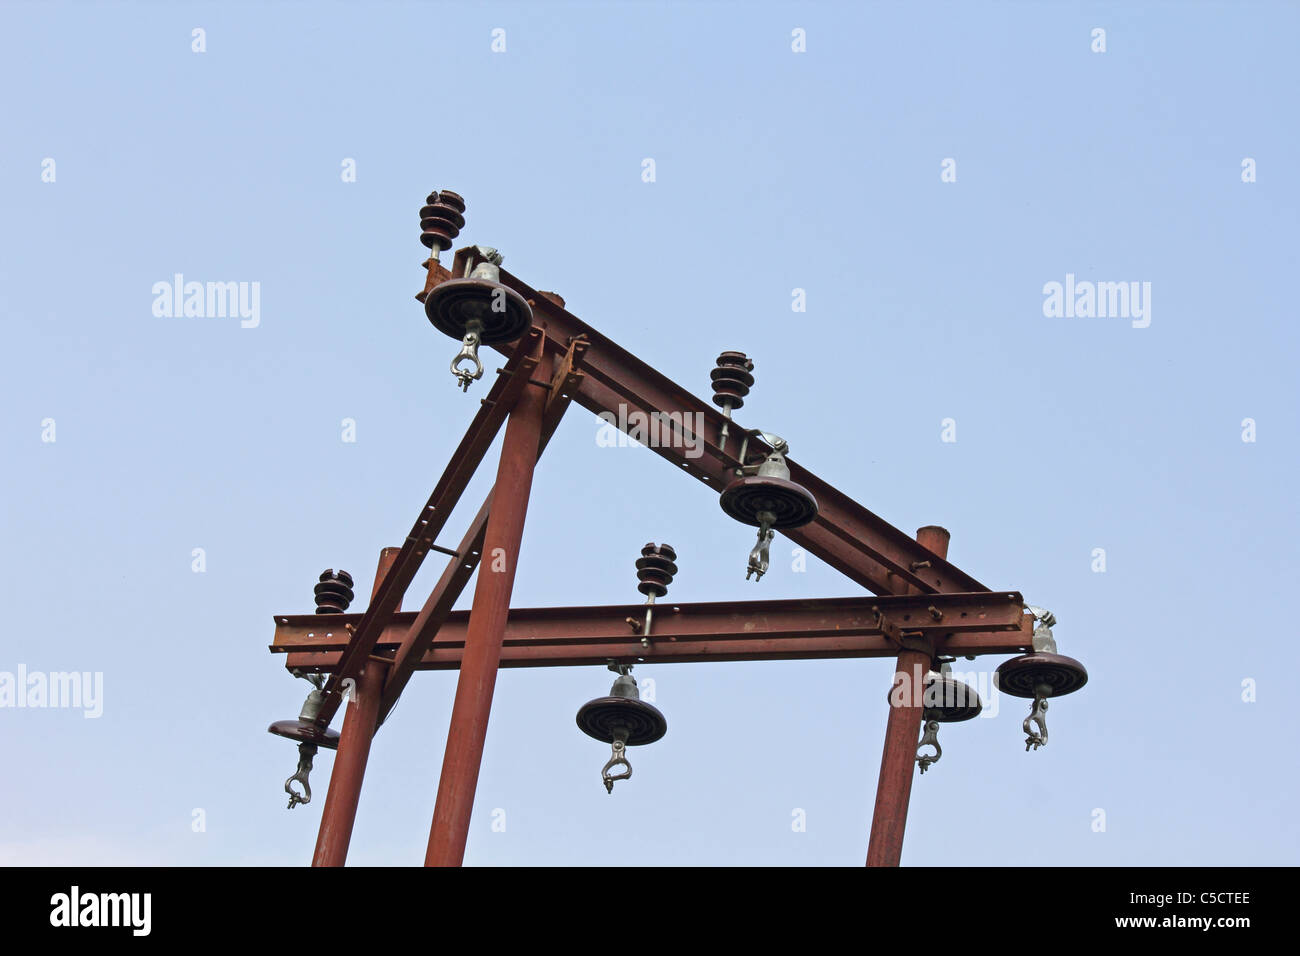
column 446, row 654
column 845, row 534
column 478, row 438
column 991, row 622
column 903, row 727
column 436, row 609
column 349, row 770
column 485, row 630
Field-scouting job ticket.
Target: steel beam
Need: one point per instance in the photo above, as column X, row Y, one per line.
column 478, row 438
column 486, row 628
column 447, row 656
column 902, row 731
column 845, row 535
column 437, row 608
column 987, row 622
column 359, row 723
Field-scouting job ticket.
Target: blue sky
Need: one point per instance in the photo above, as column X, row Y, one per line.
column 775, row 170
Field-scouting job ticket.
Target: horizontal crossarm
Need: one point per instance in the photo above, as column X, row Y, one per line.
column 985, row 622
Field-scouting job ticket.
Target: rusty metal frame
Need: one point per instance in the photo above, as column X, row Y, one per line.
column 986, row 622
column 852, row 539
column 446, row 493
column 925, row 605
column 460, row 568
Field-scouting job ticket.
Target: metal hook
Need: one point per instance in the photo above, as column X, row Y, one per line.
column 305, row 754
column 619, row 757
column 931, row 738
column 759, row 557
column 1037, row 716
column 468, row 352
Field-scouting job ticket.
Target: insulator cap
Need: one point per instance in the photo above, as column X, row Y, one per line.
column 455, row 200
column 655, row 569
column 732, row 379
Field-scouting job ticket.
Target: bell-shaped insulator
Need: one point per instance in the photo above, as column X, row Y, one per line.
column 769, row 497
column 479, row 303
column 306, row 732
column 622, row 720
column 310, row 736
column 478, row 310
column 622, row 714
column 949, row 700
column 945, row 700
column 770, row 501
column 1040, row 675
column 305, row 729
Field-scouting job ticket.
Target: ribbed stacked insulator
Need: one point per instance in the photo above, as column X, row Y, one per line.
column 442, row 219
column 655, row 569
column 334, row 593
column 732, row 380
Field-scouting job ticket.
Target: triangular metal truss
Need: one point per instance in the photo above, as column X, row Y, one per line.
column 921, row 610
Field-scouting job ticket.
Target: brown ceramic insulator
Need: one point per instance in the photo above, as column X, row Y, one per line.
column 334, row 592
column 441, row 219
column 792, row 504
column 732, row 379
column 455, row 200
column 949, row 700
column 605, row 717
column 442, row 213
column 1022, row 676
column 453, row 304
column 655, row 569
column 305, row 732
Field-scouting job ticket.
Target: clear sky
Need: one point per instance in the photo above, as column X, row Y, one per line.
column 775, row 170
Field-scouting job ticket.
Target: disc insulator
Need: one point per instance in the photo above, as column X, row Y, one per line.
column 305, row 732
column 732, row 379
column 1022, row 676
column 602, row 717
column 949, row 700
column 503, row 313
column 792, row 504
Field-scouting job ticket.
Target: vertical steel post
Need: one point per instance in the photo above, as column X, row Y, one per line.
column 359, row 723
column 898, row 762
column 487, row 624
